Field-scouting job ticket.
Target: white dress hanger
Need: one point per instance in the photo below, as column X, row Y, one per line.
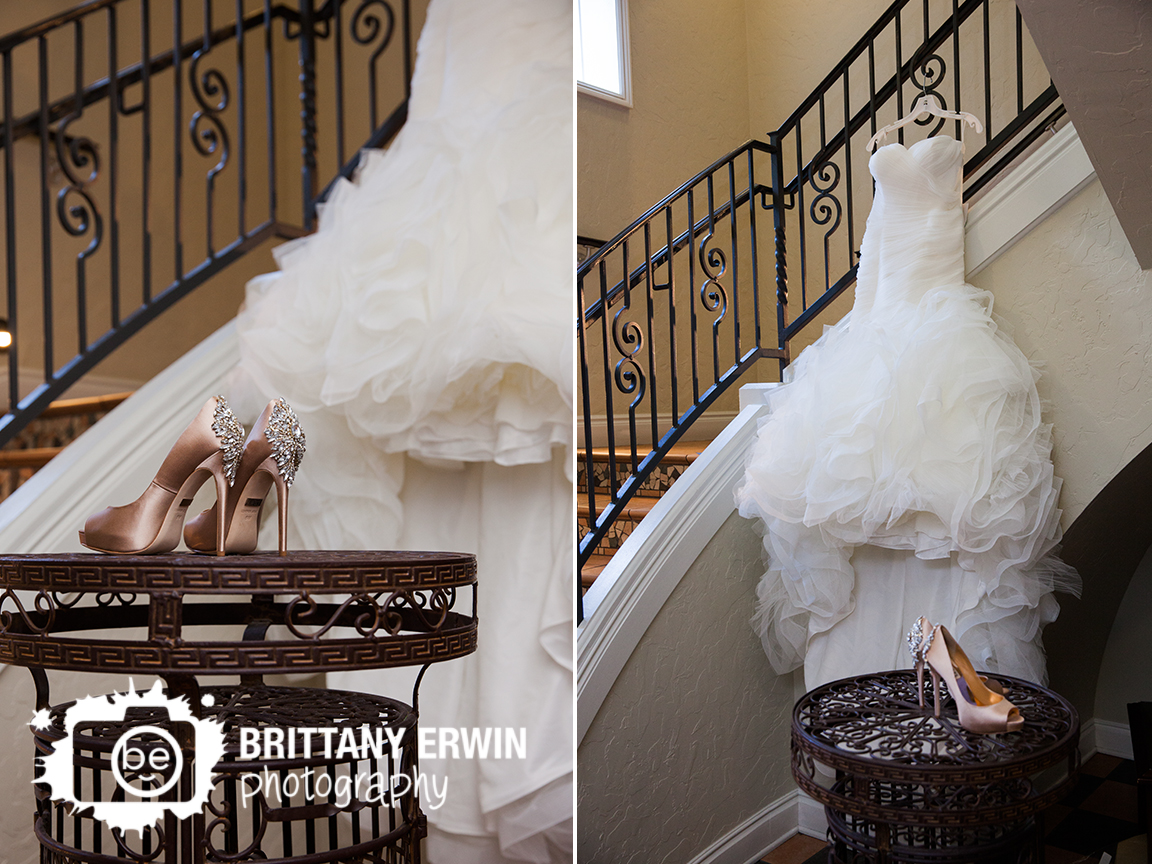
column 926, row 104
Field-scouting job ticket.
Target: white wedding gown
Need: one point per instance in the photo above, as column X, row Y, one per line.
column 424, row 337
column 903, row 468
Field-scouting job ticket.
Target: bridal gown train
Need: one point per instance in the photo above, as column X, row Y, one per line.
column 423, row 335
column 903, row 467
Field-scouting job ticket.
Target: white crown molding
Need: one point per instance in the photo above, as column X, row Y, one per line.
column 812, row 820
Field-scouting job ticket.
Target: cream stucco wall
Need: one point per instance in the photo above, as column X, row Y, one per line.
column 1079, row 304
column 1128, row 655
column 693, row 738
column 792, row 46
column 706, row 77
column 690, row 106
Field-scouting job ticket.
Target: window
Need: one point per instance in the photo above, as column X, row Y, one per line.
column 602, row 67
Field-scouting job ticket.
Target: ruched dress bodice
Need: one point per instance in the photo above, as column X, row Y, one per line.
column 914, row 240
column 912, row 425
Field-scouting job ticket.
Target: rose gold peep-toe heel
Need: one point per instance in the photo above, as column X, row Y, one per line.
column 272, row 455
column 209, row 447
column 980, row 702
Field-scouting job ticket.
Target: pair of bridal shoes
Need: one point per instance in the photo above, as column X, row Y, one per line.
column 980, row 702
column 243, row 469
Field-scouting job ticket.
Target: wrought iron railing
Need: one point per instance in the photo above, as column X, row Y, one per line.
column 671, row 308
column 147, row 145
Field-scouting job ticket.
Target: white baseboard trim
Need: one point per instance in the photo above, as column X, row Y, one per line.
column 1087, row 739
column 754, row 837
column 1111, row 739
column 812, row 821
column 704, row 429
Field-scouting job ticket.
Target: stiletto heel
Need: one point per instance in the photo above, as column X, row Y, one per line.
column 272, row 455
column 916, row 647
column 210, row 447
column 980, row 703
column 282, row 514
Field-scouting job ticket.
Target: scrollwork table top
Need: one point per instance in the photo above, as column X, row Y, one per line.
column 308, row 610
column 897, row 762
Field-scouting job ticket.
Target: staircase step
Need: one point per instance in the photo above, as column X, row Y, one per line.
column 61, row 422
column 83, row 405
column 635, row 510
column 681, row 453
column 591, row 570
column 30, row 457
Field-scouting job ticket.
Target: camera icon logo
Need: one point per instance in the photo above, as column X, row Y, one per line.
column 138, row 756
column 162, row 761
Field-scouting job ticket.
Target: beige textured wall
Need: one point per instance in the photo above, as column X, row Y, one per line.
column 693, row 738
column 690, row 106
column 792, row 46
column 1129, row 648
column 1079, row 304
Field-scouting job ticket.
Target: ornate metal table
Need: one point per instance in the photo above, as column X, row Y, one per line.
column 900, row 785
column 306, row 612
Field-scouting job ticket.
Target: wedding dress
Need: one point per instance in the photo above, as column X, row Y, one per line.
column 903, row 467
column 423, row 335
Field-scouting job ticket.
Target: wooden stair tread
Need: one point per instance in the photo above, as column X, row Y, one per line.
column 681, row 453
column 635, row 510
column 83, row 405
column 30, row 457
column 38, row 457
column 596, row 563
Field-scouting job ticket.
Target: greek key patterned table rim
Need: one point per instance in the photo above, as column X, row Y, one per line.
column 389, row 609
column 313, row 571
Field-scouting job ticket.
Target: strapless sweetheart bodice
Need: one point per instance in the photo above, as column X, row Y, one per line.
column 914, row 241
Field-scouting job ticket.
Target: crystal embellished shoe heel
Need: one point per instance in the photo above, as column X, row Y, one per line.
column 272, row 454
column 919, row 639
column 980, row 702
column 209, row 447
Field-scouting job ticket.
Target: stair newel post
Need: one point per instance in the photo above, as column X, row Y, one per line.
column 775, row 139
column 308, row 109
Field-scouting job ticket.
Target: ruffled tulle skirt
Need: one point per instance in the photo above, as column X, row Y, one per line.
column 918, row 432
column 423, row 335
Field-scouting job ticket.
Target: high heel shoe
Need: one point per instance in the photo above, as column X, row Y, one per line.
column 211, row 446
column 980, row 702
column 272, row 455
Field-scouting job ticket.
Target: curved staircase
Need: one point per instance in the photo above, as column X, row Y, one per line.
column 678, row 457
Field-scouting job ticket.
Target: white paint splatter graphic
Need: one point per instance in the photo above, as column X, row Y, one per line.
column 166, row 759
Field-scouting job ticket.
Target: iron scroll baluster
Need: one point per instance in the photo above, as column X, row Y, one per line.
column 102, row 174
